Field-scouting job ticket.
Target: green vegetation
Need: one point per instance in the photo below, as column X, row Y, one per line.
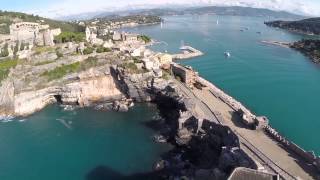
column 102, row 49
column 5, row 51
column 89, row 63
column 130, row 67
column 309, row 47
column 7, row 18
column 88, row 50
column 43, row 63
column 16, row 48
column 137, row 60
column 145, row 38
column 308, row 26
column 42, row 49
column 61, row 71
column 5, row 66
column 70, row 37
column 166, row 75
column 24, row 46
column 59, row 54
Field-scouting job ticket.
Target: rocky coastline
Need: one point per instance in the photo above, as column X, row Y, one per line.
column 308, row 47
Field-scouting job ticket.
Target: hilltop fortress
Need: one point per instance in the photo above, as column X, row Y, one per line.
column 33, row 33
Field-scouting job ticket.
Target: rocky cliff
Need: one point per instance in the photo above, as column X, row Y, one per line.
column 202, row 148
column 88, row 88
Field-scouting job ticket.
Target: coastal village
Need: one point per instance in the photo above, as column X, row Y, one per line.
column 108, row 68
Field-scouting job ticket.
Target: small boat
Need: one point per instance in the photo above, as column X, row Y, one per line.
column 227, row 54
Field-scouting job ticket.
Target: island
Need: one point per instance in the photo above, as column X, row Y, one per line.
column 214, row 136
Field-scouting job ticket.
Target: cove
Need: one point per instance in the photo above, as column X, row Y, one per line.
column 81, row 144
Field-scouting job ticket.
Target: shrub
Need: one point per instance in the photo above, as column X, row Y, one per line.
column 16, row 48
column 59, row 54
column 102, row 49
column 145, row 38
column 5, row 51
column 70, row 37
column 61, row 71
column 88, row 50
column 5, row 66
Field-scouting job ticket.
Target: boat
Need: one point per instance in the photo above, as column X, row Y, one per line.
column 227, row 54
column 217, row 22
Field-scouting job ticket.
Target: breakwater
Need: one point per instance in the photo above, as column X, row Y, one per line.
column 308, row 157
column 188, row 52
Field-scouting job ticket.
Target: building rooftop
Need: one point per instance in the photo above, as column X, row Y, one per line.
column 242, row 173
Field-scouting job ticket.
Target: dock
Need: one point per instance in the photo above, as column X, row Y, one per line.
column 187, row 53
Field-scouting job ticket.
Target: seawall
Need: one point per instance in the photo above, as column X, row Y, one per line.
column 308, row 156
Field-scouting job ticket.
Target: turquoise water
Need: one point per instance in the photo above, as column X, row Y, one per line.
column 110, row 143
column 276, row 82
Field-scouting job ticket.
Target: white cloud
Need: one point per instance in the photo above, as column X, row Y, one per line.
column 69, row 7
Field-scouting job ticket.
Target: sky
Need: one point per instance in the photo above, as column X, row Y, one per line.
column 58, row 8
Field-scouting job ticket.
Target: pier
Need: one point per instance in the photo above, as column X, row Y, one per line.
column 270, row 154
column 187, row 53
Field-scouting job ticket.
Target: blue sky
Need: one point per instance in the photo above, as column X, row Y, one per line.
column 56, row 8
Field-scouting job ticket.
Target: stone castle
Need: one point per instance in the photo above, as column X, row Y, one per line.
column 33, row 33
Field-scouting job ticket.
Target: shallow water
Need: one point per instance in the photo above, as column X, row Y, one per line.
column 56, row 144
column 277, row 82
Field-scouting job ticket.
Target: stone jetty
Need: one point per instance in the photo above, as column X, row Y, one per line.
column 187, row 53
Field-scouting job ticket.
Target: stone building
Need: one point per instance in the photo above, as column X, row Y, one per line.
column 187, row 75
column 164, row 58
column 91, row 36
column 242, row 173
column 33, row 33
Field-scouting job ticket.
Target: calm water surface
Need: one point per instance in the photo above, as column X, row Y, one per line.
column 276, row 82
column 68, row 145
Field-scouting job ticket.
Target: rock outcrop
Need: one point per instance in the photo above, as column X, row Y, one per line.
column 203, row 149
column 90, row 87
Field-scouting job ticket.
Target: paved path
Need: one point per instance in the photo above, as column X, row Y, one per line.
column 268, row 151
column 201, row 110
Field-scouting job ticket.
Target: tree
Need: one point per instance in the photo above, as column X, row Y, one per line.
column 5, row 51
column 16, row 48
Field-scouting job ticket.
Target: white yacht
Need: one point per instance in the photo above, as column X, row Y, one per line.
column 227, row 54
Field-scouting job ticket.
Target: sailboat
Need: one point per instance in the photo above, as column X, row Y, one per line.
column 217, row 21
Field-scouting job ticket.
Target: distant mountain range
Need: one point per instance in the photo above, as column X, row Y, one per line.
column 305, row 26
column 232, row 10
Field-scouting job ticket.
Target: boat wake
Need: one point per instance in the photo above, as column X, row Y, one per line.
column 65, row 123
